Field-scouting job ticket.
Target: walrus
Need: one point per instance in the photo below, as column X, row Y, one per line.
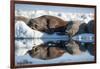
column 75, row 27
column 45, row 52
column 48, row 24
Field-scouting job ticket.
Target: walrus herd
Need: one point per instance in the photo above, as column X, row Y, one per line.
column 51, row 24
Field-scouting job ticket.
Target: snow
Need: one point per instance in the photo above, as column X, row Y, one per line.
column 22, row 30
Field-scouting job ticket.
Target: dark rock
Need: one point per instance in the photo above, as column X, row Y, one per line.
column 91, row 27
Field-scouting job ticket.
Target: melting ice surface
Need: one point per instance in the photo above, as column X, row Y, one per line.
column 23, row 45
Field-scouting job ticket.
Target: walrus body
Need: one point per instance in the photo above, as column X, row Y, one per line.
column 73, row 27
column 48, row 24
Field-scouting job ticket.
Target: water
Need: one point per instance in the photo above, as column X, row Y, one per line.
column 86, row 37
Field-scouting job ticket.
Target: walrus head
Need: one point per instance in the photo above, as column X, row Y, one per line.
column 37, row 24
column 39, row 52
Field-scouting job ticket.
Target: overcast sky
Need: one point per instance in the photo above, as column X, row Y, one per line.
column 54, row 8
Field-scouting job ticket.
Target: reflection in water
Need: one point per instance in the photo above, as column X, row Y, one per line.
column 51, row 48
column 22, row 45
column 47, row 50
column 86, row 37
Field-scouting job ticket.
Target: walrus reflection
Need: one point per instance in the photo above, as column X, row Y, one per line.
column 51, row 50
column 44, row 52
column 73, row 48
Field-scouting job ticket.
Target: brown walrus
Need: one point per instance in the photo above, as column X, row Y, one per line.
column 72, row 27
column 44, row 52
column 48, row 24
column 75, row 27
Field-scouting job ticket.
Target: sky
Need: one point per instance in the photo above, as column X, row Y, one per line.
column 54, row 8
